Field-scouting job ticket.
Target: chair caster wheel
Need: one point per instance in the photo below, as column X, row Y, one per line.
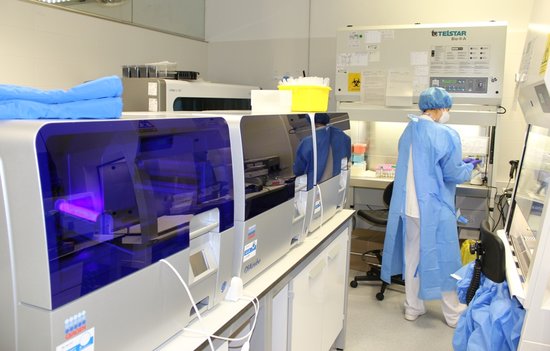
column 380, row 296
column 353, row 283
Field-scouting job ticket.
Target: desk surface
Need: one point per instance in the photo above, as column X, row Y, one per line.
column 381, row 183
column 223, row 314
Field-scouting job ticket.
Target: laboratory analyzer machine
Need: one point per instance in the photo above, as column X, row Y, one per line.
column 92, row 216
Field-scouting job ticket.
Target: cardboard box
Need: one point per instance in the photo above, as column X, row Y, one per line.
column 363, row 240
column 356, row 263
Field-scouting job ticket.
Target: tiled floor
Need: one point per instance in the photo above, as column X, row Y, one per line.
column 380, row 325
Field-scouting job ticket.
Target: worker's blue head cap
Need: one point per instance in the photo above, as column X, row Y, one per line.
column 434, row 98
column 322, row 118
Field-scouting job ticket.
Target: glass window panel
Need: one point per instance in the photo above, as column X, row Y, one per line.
column 119, row 195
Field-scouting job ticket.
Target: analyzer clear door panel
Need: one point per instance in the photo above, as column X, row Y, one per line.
column 119, row 195
column 269, row 147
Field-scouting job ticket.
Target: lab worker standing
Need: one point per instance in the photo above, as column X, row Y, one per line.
column 421, row 240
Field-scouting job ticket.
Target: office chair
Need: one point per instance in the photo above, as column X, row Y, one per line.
column 490, row 259
column 377, row 217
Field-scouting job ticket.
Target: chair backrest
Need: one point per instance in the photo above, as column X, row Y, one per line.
column 379, row 216
column 493, row 263
column 386, row 196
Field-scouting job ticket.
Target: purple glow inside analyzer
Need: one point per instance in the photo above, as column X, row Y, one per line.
column 104, row 177
column 77, row 211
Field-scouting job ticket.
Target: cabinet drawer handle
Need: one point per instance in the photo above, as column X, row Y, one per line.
column 334, row 253
column 315, row 271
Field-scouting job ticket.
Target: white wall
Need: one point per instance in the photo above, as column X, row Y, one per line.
column 49, row 48
column 256, row 42
column 250, row 42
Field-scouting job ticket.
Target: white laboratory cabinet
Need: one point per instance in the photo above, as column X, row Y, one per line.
column 317, row 298
column 303, row 299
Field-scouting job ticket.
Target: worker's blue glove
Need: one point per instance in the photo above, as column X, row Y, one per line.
column 473, row 161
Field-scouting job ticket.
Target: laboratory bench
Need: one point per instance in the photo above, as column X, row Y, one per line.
column 381, row 183
column 303, row 299
column 366, row 192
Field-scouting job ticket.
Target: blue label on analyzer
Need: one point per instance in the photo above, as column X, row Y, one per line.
column 250, row 250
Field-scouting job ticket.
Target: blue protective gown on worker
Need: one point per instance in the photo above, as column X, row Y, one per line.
column 329, row 139
column 438, row 168
column 492, row 321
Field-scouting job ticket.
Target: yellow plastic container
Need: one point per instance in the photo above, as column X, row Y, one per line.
column 308, row 98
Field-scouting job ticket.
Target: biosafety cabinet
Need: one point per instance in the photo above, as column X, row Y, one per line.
column 380, row 73
column 392, row 65
column 88, row 209
column 527, row 231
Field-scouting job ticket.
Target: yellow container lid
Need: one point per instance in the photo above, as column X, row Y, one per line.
column 308, row 98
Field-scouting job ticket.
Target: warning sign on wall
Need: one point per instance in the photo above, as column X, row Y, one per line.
column 354, row 81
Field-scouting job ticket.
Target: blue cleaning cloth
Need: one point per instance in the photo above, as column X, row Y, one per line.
column 96, row 89
column 96, row 108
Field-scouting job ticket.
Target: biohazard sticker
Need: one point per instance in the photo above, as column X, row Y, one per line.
column 354, row 81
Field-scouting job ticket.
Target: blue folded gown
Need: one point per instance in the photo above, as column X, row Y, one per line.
column 100, row 98
column 96, row 108
column 95, row 89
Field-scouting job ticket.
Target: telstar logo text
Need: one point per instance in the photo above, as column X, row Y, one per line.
column 448, row 33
